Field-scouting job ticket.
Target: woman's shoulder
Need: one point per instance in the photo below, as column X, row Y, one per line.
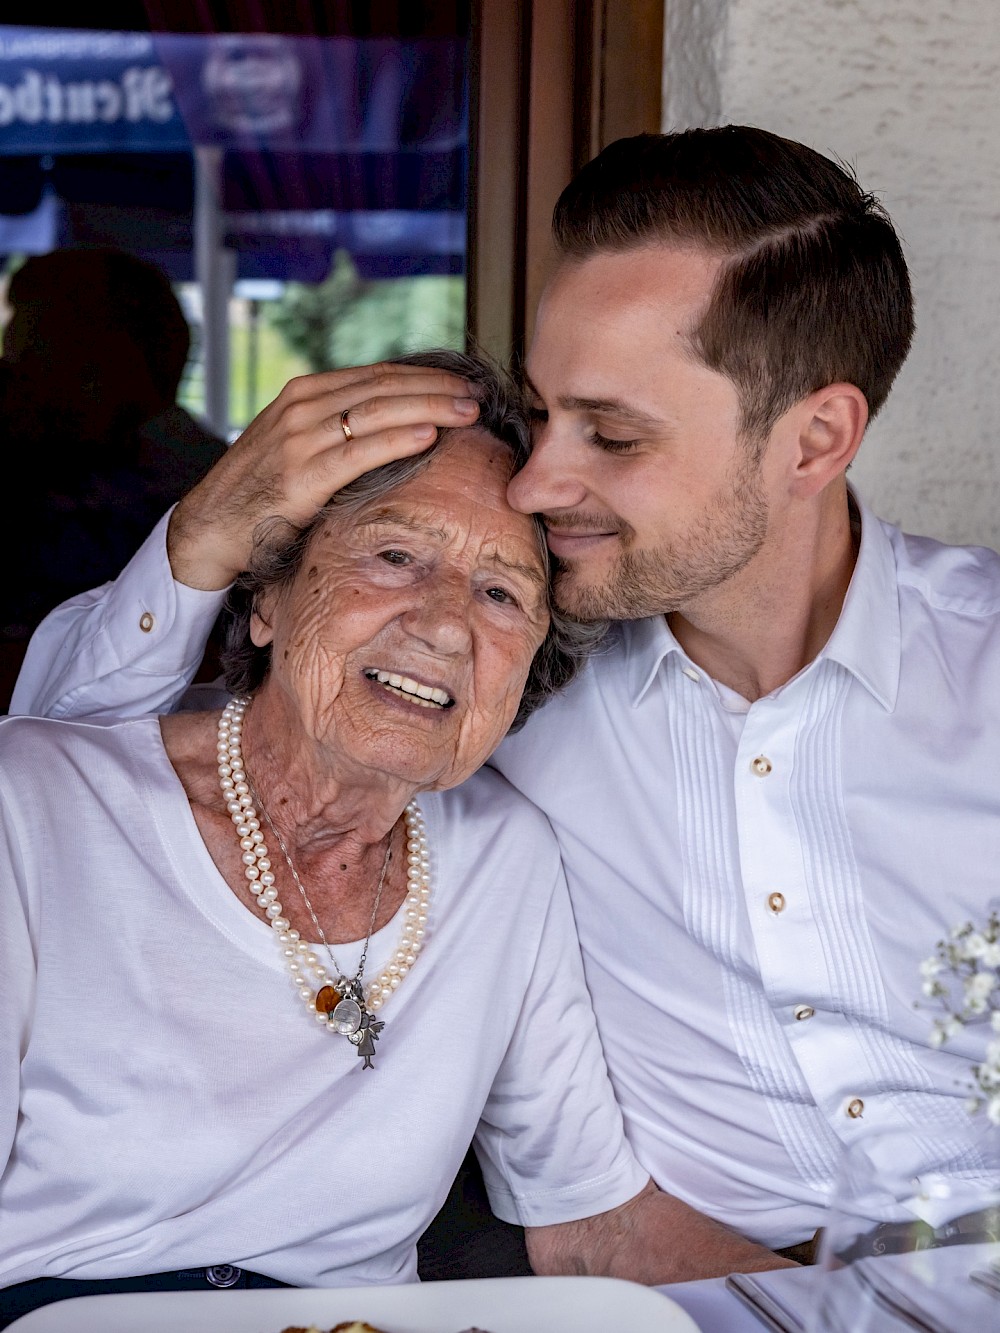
column 485, row 817
column 492, row 852
column 489, row 801
column 39, row 743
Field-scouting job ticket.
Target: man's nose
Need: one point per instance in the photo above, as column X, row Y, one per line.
column 442, row 618
column 552, row 477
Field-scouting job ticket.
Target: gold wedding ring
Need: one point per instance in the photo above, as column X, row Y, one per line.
column 345, row 425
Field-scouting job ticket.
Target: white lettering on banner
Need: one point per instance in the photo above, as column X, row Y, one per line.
column 53, row 101
column 108, row 101
column 80, row 108
column 28, row 99
column 66, row 44
column 143, row 94
column 147, row 94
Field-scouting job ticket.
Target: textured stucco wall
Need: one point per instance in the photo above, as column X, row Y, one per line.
column 909, row 93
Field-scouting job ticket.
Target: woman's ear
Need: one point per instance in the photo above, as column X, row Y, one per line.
column 832, row 423
column 261, row 633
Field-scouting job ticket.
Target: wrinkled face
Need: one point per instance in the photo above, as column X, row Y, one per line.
column 650, row 495
column 404, row 641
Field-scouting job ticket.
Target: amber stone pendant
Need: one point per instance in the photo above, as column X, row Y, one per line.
column 327, row 1000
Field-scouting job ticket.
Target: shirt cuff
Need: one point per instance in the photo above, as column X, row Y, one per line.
column 154, row 623
column 584, row 1198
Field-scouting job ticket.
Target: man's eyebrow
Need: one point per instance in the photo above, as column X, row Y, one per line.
column 613, row 407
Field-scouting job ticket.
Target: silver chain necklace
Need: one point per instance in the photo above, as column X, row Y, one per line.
column 340, row 1003
column 354, row 981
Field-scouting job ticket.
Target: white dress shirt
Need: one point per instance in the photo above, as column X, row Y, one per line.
column 754, row 885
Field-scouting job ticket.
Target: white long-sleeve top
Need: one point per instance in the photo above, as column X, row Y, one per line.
column 165, row 1100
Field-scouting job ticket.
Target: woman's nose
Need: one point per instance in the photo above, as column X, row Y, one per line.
column 550, row 479
column 441, row 619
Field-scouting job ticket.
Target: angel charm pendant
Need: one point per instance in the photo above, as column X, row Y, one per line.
column 352, row 1019
column 366, row 1037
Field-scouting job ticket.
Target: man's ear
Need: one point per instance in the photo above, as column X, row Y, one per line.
column 831, row 423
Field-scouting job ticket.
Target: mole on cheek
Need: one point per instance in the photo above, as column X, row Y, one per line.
column 313, row 572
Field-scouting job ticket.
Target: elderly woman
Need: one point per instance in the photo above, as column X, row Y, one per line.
column 265, row 968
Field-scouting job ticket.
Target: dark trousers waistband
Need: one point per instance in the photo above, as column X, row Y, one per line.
column 25, row 1296
column 806, row 1250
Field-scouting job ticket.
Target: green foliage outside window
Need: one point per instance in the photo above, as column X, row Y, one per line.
column 347, row 321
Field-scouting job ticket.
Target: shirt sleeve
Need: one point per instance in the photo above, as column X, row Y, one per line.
column 129, row 647
column 551, row 1141
column 17, row 976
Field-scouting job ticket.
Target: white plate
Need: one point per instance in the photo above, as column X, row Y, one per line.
column 499, row 1305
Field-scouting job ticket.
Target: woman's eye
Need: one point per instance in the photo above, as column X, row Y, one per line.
column 501, row 595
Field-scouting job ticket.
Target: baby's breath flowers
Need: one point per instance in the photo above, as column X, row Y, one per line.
column 963, row 975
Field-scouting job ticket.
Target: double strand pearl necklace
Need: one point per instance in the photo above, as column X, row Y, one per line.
column 340, row 1004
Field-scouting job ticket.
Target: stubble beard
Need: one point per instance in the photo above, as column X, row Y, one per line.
column 660, row 579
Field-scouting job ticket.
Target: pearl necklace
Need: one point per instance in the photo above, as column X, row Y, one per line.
column 341, row 1006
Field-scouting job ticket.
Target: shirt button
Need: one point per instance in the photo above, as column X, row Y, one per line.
column 803, row 1011
column 761, row 766
column 690, row 673
column 146, row 622
column 776, row 902
column 855, row 1108
column 223, row 1275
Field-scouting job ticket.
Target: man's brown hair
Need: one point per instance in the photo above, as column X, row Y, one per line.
column 815, row 288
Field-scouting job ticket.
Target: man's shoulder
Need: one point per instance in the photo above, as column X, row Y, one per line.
column 961, row 580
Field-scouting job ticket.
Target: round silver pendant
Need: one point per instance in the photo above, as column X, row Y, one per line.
column 347, row 1017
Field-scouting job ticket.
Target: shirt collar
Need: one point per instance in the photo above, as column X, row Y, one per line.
column 866, row 639
column 647, row 645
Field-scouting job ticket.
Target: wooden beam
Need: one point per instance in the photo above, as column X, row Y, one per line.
column 497, row 170
column 631, row 69
column 551, row 123
column 553, row 82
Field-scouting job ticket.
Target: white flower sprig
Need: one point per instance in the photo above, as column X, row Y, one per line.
column 963, row 974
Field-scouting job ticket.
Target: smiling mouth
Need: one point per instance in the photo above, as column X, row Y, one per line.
column 566, row 541
column 405, row 687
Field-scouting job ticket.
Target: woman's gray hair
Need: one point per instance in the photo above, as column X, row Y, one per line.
column 279, row 546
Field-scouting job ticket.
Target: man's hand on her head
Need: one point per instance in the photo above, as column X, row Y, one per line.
column 296, row 454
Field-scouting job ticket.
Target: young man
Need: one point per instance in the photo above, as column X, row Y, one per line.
column 777, row 787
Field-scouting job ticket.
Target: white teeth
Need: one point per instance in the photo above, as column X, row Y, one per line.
column 428, row 696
